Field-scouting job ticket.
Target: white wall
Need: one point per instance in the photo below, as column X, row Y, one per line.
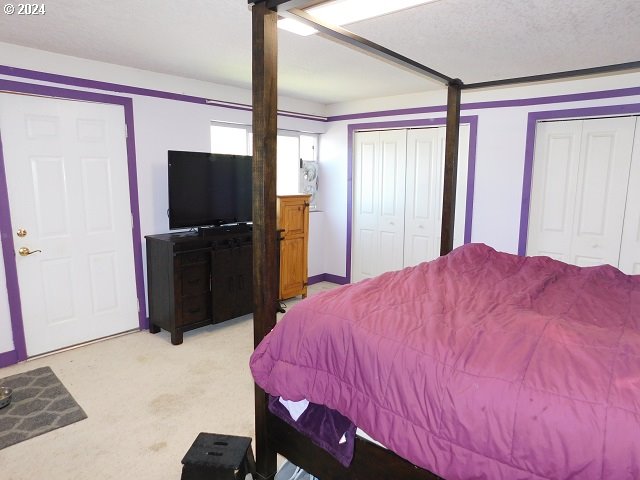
column 499, row 161
column 159, row 124
column 41, row 61
column 315, row 262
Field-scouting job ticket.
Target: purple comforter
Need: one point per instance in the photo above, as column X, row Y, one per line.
column 477, row 365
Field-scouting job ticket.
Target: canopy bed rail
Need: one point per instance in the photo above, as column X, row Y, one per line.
column 272, row 434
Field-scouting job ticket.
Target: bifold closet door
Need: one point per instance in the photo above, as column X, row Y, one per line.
column 378, row 203
column 630, row 247
column 579, row 189
column 423, row 198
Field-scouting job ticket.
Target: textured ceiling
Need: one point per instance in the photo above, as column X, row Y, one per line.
column 210, row 40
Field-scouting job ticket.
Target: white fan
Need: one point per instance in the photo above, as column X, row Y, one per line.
column 309, row 182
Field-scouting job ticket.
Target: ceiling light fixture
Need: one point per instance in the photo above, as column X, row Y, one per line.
column 343, row 12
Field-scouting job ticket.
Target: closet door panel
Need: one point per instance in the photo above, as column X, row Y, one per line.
column 553, row 189
column 365, row 200
column 425, row 179
column 378, row 203
column 603, row 175
column 392, row 200
column 630, row 247
column 424, row 195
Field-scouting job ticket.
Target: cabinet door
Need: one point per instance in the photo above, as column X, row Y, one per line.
column 293, row 267
column 223, row 284
column 293, row 216
column 243, row 294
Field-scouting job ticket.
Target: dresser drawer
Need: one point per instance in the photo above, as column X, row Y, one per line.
column 195, row 309
column 194, row 256
column 194, row 279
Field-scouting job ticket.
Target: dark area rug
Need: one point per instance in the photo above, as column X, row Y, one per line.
column 40, row 403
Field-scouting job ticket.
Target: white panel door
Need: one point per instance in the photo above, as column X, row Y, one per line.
column 425, row 178
column 378, row 203
column 630, row 248
column 67, row 178
column 603, row 175
column 365, row 205
column 579, row 189
column 423, row 212
column 553, row 189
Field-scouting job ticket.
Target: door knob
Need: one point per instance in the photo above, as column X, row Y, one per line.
column 24, row 251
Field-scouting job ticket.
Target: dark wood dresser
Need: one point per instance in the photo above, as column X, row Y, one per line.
column 196, row 279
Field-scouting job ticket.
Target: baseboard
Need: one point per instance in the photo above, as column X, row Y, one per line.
column 8, row 358
column 327, row 277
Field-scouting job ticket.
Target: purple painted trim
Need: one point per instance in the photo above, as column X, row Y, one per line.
column 117, row 87
column 388, row 113
column 573, row 97
column 316, row 279
column 327, row 277
column 11, row 272
column 335, row 279
column 350, row 132
column 532, row 120
column 135, row 212
column 5, row 221
column 472, row 120
column 471, row 178
column 8, row 358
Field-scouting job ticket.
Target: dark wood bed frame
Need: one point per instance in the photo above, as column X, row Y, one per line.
column 273, row 435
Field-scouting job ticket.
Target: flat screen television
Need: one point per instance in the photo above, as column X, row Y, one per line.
column 208, row 189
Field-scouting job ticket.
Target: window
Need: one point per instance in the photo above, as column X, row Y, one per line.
column 231, row 139
column 292, row 147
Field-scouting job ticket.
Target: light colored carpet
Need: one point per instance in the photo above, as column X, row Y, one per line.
column 146, row 402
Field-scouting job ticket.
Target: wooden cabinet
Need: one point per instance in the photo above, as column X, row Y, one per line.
column 195, row 280
column 293, row 223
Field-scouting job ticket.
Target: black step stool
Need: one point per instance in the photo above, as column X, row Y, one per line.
column 218, row 457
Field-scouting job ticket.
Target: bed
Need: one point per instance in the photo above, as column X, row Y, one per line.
column 274, row 435
column 479, row 364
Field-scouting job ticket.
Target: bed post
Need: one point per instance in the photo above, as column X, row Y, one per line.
column 265, row 273
column 450, row 166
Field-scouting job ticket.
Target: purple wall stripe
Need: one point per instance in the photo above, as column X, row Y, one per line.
column 532, row 120
column 117, row 87
column 574, row 97
column 388, row 113
column 9, row 258
column 5, row 221
column 472, row 120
